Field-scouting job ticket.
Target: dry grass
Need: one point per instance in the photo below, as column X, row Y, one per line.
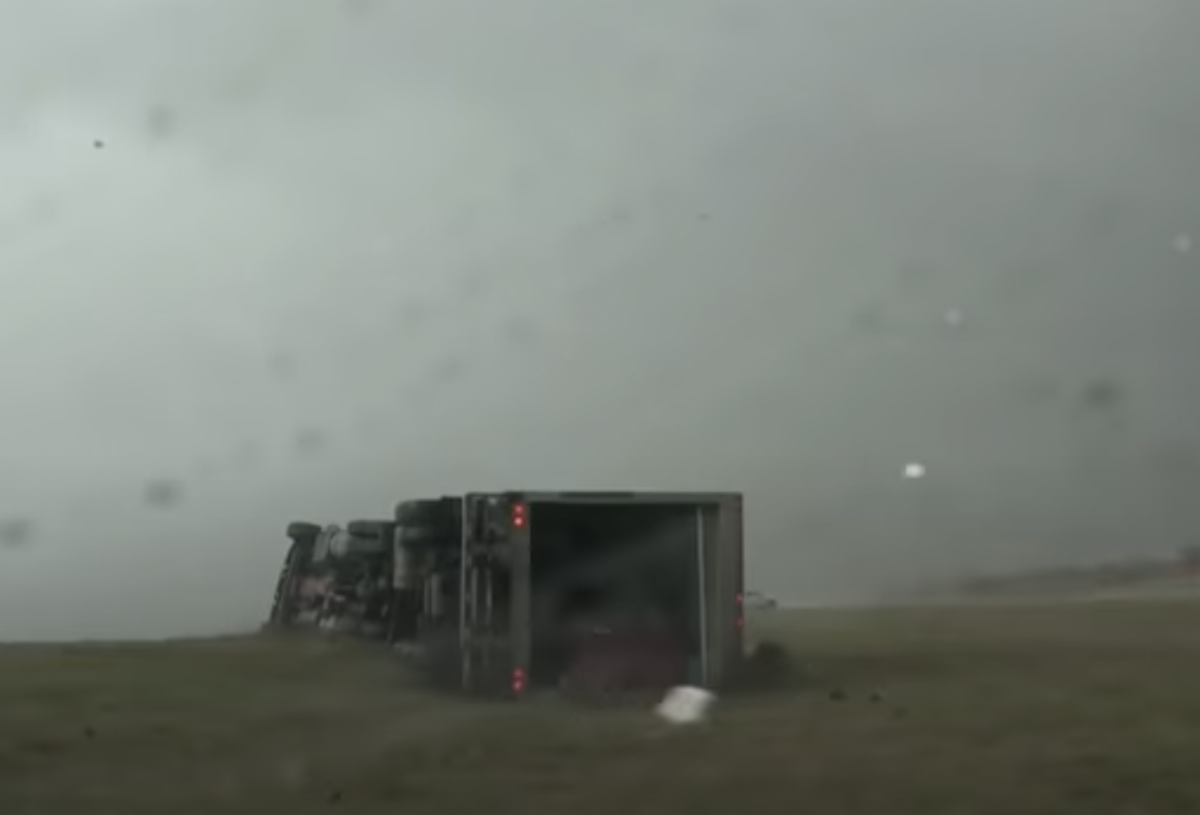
column 1018, row 710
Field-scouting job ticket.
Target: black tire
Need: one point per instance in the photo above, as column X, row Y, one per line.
column 283, row 602
column 441, row 513
column 403, row 614
column 299, row 530
column 420, row 535
column 371, row 529
column 424, row 540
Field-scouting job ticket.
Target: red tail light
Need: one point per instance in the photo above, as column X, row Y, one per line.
column 518, row 680
column 518, row 515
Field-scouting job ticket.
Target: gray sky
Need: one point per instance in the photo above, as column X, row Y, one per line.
column 306, row 258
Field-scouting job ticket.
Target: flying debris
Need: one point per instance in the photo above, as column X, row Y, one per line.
column 685, row 705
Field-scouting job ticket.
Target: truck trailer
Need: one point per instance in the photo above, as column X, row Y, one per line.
column 516, row 591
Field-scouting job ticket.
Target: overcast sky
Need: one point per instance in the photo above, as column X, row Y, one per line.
column 301, row 259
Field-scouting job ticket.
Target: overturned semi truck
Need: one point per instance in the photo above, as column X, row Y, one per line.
column 507, row 592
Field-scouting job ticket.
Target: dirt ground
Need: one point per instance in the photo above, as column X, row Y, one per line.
column 1081, row 709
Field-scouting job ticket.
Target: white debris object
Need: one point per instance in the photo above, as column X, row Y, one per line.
column 685, row 704
column 914, row 470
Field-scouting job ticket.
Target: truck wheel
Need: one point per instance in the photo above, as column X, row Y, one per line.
column 442, row 513
column 302, row 529
column 283, row 603
column 428, row 540
column 420, row 535
column 371, row 529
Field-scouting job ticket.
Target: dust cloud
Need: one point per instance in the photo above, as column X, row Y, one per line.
column 279, row 260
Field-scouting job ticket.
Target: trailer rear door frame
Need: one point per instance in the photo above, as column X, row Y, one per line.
column 720, row 561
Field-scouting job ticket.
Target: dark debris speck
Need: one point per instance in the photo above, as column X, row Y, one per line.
column 15, row 532
column 163, row 492
column 1102, row 394
column 310, row 440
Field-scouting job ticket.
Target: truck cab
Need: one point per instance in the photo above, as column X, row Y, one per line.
column 336, row 577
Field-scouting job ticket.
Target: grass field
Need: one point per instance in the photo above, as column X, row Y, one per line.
column 1086, row 708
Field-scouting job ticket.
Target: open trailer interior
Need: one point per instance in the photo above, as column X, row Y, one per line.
column 610, row 570
column 559, row 585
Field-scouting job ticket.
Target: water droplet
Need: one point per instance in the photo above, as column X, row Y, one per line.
column 15, row 532
column 1183, row 243
column 161, row 121
column 914, row 470
column 309, row 440
column 953, row 317
column 163, row 492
